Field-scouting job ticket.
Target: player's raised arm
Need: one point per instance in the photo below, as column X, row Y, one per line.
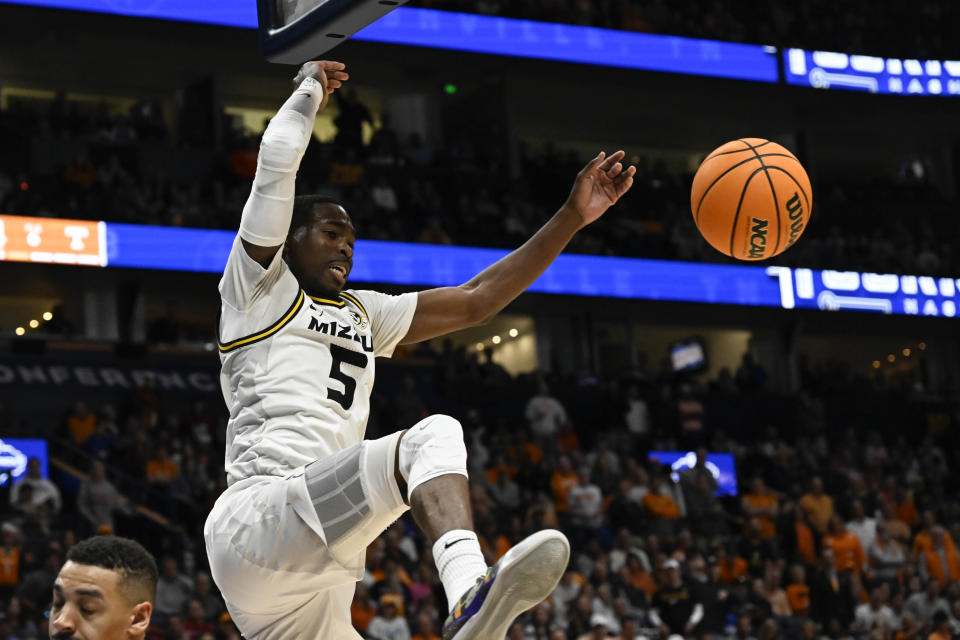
column 266, row 215
column 439, row 311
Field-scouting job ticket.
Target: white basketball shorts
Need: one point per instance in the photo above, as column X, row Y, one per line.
column 286, row 552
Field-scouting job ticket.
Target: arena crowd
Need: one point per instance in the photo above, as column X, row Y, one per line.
column 844, row 525
column 70, row 160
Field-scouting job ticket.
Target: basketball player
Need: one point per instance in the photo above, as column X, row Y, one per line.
column 104, row 591
column 307, row 493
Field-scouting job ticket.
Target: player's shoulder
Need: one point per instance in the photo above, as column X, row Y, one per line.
column 360, row 300
column 367, row 299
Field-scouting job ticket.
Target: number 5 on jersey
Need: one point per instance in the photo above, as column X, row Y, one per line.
column 342, row 355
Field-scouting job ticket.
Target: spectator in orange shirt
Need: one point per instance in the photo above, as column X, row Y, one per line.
column 524, row 450
column 80, row 172
column 493, row 543
column 898, row 529
column 162, row 470
column 798, row 592
column 731, row 566
column 9, row 560
column 500, row 467
column 818, row 506
column 362, row 610
column 941, row 626
column 562, row 480
column 941, row 561
column 637, row 576
column 762, row 504
column 533, row 451
column 805, row 543
column 82, row 423
column 661, row 507
column 924, row 539
column 905, row 509
column 847, row 553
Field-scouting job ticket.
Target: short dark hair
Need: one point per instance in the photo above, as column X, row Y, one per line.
column 303, row 208
column 137, row 568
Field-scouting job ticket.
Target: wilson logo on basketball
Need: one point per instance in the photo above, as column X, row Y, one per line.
column 758, row 238
column 795, row 213
column 746, row 199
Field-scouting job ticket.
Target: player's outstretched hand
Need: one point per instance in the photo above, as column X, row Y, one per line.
column 327, row 72
column 599, row 185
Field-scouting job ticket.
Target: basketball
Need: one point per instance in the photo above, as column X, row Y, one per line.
column 751, row 199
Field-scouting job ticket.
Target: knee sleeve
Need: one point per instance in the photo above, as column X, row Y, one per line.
column 355, row 495
column 432, row 448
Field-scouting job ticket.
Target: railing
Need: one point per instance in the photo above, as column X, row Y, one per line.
column 67, row 462
column 139, row 509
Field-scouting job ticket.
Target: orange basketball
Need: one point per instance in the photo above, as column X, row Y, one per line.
column 751, row 199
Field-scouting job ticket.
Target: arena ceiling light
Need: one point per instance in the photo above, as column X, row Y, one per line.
column 294, row 31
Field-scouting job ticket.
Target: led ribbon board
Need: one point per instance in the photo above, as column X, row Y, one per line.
column 52, row 240
column 489, row 35
column 422, row 265
column 831, row 70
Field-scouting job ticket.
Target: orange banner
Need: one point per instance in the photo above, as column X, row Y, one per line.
column 53, row 240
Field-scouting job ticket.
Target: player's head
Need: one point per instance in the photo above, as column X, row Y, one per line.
column 319, row 247
column 104, row 591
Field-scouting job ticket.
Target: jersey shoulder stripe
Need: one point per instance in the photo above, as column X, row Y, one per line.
column 266, row 333
column 327, row 302
column 356, row 302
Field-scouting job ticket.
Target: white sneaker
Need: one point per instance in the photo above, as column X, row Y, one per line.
column 522, row 579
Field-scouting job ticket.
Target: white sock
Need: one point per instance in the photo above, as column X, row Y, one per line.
column 459, row 561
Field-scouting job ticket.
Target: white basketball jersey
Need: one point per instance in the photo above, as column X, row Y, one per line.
column 297, row 371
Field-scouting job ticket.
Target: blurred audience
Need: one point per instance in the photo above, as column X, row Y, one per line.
column 459, row 193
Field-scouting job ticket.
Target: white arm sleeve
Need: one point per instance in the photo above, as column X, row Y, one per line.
column 697, row 614
column 267, row 213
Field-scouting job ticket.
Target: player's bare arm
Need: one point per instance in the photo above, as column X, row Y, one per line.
column 291, row 128
column 440, row 311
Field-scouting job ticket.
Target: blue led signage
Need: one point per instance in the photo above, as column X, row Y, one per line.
column 422, row 265
column 150, row 247
column 14, row 454
column 831, row 70
column 721, row 465
column 489, row 35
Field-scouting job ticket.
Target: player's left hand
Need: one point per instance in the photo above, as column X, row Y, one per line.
column 599, row 185
column 328, row 73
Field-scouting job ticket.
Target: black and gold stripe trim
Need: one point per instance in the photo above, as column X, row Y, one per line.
column 354, row 300
column 266, row 333
column 330, row 303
